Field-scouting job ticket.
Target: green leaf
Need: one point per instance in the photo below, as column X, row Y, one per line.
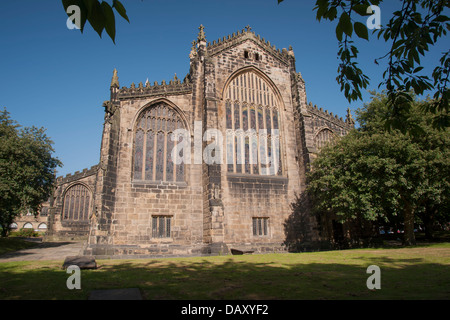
column 110, row 22
column 89, row 4
column 346, row 24
column 361, row 9
column 361, row 30
column 96, row 18
column 121, row 9
column 339, row 32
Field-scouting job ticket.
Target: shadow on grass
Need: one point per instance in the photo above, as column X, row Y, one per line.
column 19, row 250
column 233, row 279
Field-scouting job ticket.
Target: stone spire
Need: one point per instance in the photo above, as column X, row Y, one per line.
column 201, row 34
column 193, row 52
column 115, row 79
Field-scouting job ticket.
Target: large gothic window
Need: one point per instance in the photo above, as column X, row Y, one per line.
column 77, row 202
column 253, row 127
column 324, row 137
column 153, row 145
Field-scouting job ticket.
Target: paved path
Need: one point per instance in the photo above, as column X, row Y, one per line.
column 45, row 251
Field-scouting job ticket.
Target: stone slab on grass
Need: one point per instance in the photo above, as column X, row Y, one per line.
column 116, row 294
column 83, row 262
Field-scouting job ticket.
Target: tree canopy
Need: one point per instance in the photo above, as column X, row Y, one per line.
column 411, row 32
column 379, row 176
column 27, row 169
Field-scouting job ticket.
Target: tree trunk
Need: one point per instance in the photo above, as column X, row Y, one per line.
column 409, row 238
column 5, row 229
column 428, row 221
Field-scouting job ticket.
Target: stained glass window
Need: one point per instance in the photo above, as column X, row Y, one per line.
column 260, row 226
column 153, row 145
column 77, row 203
column 324, row 137
column 253, row 118
column 161, row 226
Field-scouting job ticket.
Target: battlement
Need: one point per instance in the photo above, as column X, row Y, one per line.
column 175, row 86
column 348, row 122
column 77, row 175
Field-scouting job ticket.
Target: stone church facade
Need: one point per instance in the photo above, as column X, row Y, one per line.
column 203, row 165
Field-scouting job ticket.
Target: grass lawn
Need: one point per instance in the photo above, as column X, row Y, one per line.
column 408, row 273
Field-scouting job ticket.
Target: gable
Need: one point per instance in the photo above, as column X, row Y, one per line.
column 256, row 46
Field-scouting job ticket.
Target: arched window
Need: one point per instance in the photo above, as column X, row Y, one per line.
column 28, row 225
column 42, row 226
column 153, row 145
column 324, row 137
column 77, row 203
column 253, row 126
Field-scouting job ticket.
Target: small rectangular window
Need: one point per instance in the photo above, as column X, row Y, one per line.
column 256, row 56
column 246, row 55
column 161, row 226
column 260, row 226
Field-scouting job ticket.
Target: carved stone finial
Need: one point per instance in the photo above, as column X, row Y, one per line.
column 115, row 79
column 248, row 28
column 201, row 33
column 176, row 80
column 349, row 119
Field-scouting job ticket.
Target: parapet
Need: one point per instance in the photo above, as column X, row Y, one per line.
column 77, row 175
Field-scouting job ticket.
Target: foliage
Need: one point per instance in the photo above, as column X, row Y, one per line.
column 411, row 31
column 99, row 15
column 27, row 169
column 374, row 175
column 26, row 233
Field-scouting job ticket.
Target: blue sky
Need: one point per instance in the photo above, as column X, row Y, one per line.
column 58, row 78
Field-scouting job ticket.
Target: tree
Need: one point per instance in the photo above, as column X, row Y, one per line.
column 411, row 31
column 375, row 175
column 27, row 169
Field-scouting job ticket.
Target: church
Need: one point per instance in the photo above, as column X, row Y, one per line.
column 203, row 165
